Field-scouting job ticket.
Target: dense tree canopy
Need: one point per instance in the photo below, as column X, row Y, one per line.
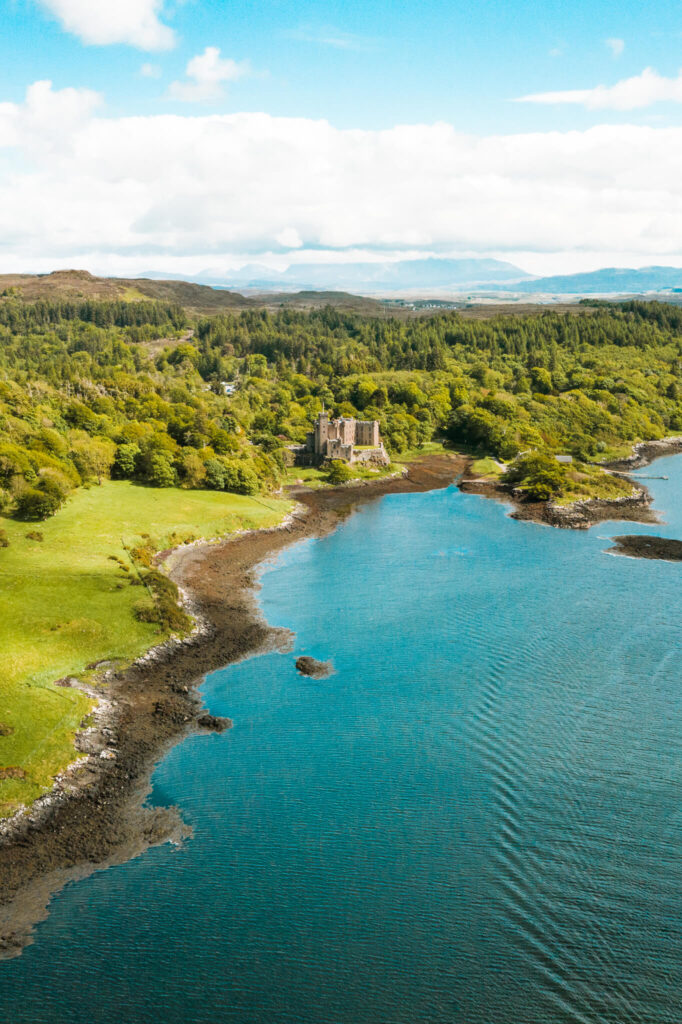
column 90, row 389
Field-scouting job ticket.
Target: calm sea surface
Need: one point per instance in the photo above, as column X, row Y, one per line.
column 477, row 820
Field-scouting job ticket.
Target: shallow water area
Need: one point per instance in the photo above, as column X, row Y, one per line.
column 476, row 820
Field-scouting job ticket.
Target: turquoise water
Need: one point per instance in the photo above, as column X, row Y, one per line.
column 476, row 820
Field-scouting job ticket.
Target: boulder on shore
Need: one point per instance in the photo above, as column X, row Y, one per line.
column 308, row 666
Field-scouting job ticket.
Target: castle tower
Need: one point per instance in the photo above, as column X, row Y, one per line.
column 347, row 430
column 321, row 433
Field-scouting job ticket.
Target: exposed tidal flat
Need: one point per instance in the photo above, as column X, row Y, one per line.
column 475, row 819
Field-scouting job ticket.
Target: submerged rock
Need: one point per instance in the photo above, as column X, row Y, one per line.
column 213, row 723
column 311, row 667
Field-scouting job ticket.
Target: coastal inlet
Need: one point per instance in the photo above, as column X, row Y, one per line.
column 477, row 821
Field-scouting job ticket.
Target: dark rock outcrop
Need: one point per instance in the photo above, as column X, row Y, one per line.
column 213, row 723
column 642, row 546
column 311, row 667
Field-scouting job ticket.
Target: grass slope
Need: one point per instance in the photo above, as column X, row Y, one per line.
column 64, row 604
column 486, row 467
column 80, row 284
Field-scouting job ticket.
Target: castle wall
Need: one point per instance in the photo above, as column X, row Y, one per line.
column 336, row 439
column 336, row 449
column 367, row 432
column 377, row 456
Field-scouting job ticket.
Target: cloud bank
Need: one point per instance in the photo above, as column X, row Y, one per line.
column 74, row 183
column 629, row 94
column 100, row 22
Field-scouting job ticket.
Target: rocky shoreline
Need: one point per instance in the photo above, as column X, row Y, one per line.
column 643, row 454
column 581, row 515
column 96, row 816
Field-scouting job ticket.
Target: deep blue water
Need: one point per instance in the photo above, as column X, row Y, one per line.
column 477, row 820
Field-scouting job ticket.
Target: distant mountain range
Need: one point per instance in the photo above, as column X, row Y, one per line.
column 376, row 278
column 612, row 280
column 355, row 287
column 444, row 276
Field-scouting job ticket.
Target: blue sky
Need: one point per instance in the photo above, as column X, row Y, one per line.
column 363, row 67
column 371, row 64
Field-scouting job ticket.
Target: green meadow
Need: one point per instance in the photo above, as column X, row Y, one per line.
column 64, row 603
column 486, row 467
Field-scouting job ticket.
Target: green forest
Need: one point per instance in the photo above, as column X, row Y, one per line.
column 135, row 390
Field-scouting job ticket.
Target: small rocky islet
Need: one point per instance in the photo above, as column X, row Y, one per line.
column 642, row 546
column 308, row 666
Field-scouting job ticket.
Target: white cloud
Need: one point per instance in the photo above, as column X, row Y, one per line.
column 207, row 73
column 629, row 94
column 82, row 188
column 330, row 36
column 47, row 120
column 616, row 46
column 150, row 71
column 289, row 238
column 102, row 22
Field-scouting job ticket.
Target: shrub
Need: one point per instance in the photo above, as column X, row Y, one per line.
column 540, row 476
column 55, row 483
column 339, row 472
column 93, row 457
column 240, row 479
column 124, row 461
column 143, row 555
column 168, row 613
column 161, row 472
column 34, row 535
column 215, row 475
column 192, row 469
column 33, row 504
column 541, row 380
column 4, row 541
column 145, row 610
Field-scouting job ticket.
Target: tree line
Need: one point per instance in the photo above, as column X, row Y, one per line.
column 95, row 389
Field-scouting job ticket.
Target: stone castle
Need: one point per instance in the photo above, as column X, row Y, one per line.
column 347, row 439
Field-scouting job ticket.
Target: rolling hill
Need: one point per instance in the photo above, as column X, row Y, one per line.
column 197, row 298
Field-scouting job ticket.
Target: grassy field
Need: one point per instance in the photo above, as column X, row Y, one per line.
column 64, row 604
column 314, row 477
column 581, row 482
column 593, row 482
column 486, row 467
column 428, row 448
